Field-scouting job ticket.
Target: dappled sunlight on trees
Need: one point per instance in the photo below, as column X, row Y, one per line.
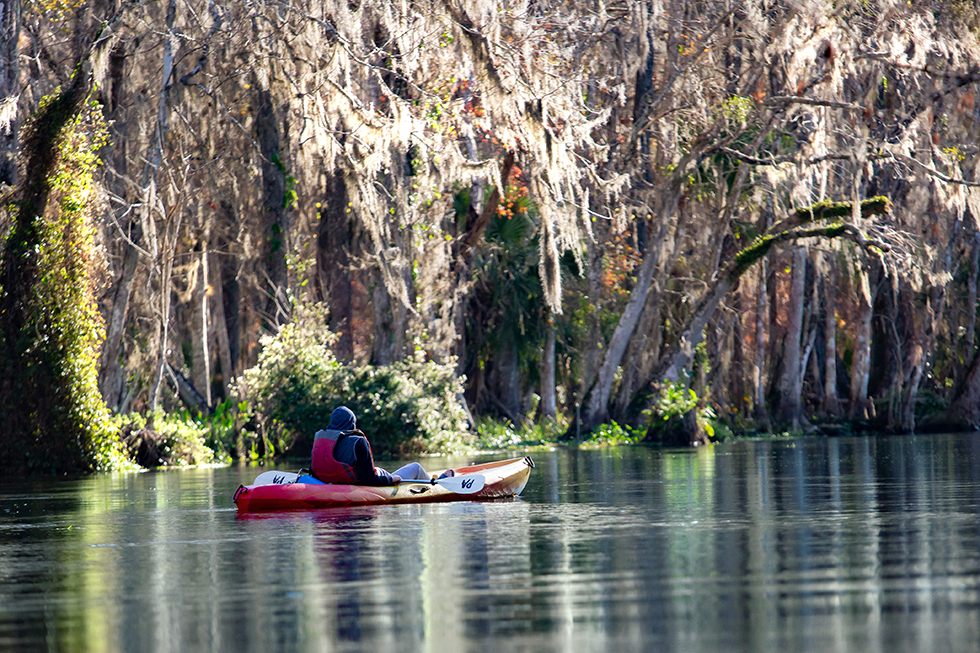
column 556, row 194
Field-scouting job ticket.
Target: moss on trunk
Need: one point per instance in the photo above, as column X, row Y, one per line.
column 54, row 417
column 828, row 210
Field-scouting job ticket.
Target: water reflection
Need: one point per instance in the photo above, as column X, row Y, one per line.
column 817, row 544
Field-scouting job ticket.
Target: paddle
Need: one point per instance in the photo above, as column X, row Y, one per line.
column 275, row 478
column 462, row 484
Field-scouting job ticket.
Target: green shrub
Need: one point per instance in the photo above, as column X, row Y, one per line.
column 676, row 400
column 407, row 407
column 221, row 427
column 163, row 439
column 676, row 416
column 495, row 434
column 613, row 434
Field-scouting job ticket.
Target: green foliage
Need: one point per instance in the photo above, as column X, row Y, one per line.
column 746, row 257
column 178, row 439
column 501, row 434
column 406, row 407
column 828, row 210
column 676, row 400
column 612, row 434
column 737, row 108
column 290, row 197
column 506, row 305
column 496, row 434
column 715, row 427
column 221, row 426
column 55, row 418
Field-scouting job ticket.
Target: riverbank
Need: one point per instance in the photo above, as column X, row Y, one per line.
column 177, row 440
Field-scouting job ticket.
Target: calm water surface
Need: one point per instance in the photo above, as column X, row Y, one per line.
column 852, row 544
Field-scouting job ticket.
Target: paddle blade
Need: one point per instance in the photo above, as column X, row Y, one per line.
column 275, row 478
column 463, row 484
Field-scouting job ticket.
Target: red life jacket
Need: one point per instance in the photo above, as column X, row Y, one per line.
column 325, row 467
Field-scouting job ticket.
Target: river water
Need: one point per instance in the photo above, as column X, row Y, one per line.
column 842, row 544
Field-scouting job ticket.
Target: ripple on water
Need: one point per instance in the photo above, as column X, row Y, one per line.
column 816, row 544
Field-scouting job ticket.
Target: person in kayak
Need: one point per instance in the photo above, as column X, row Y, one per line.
column 342, row 454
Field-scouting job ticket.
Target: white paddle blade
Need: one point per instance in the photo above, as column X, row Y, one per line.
column 275, row 478
column 463, row 484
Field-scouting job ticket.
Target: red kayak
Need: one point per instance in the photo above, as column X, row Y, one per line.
column 285, row 491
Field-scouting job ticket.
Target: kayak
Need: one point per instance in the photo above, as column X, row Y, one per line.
column 285, row 491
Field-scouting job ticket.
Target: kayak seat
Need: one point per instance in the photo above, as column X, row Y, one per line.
column 306, row 478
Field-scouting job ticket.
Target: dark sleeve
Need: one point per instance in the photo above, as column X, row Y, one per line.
column 364, row 465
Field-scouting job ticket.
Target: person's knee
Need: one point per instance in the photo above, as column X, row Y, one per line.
column 419, row 471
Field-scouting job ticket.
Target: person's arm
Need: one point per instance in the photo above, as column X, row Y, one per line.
column 367, row 473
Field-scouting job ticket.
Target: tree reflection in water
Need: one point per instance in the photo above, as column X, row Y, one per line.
column 808, row 544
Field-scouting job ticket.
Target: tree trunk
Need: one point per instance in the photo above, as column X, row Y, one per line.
column 383, row 341
column 787, row 412
column 200, row 330
column 675, row 362
column 232, row 290
column 269, row 138
column 333, row 245
column 641, row 354
column 888, row 356
column 737, row 375
column 164, row 256
column 508, row 386
column 402, row 313
column 10, row 20
column 907, row 422
column 964, row 412
column 925, row 342
column 163, row 324
column 33, row 412
column 597, row 399
column 111, row 373
column 831, row 402
column 221, row 325
column 592, row 357
column 549, row 403
column 186, row 392
column 759, row 359
column 111, row 367
column 861, row 362
column 111, row 370
column 643, row 351
column 971, row 299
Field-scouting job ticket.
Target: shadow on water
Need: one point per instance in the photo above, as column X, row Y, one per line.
column 796, row 545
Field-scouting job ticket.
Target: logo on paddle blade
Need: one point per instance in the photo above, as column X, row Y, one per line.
column 466, row 483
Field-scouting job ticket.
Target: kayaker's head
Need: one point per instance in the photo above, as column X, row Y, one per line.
column 342, row 419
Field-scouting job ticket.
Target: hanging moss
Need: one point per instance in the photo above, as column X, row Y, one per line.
column 54, row 417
